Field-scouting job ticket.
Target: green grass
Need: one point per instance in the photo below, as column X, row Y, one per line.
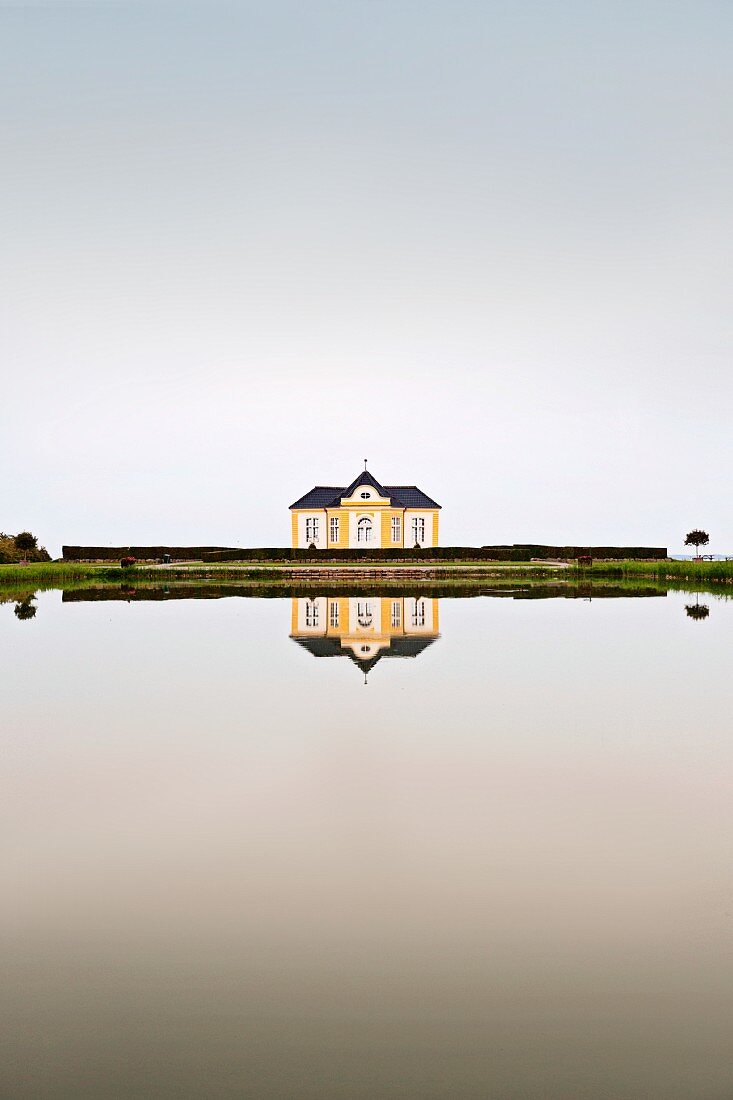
column 61, row 572
column 42, row 571
column 695, row 573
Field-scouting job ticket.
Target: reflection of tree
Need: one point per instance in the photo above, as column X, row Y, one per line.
column 25, row 609
column 697, row 610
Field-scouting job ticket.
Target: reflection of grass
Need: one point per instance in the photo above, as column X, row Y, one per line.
column 430, row 588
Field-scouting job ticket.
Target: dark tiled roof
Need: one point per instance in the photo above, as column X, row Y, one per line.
column 321, row 496
column 400, row 496
column 410, row 496
column 331, row 647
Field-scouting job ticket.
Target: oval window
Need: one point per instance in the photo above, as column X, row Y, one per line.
column 365, row 496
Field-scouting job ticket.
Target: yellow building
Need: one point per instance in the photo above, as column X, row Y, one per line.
column 364, row 628
column 364, row 515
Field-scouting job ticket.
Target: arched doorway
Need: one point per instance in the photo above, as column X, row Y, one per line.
column 364, row 530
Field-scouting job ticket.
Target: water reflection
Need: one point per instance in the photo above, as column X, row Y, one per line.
column 25, row 608
column 697, row 610
column 364, row 628
column 503, row 871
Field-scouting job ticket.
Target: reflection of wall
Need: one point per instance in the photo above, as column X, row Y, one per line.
column 365, row 627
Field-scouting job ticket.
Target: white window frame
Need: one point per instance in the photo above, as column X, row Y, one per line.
column 396, row 528
column 311, row 529
column 335, row 528
column 418, row 529
column 334, row 613
column 396, row 614
column 418, row 613
column 364, row 529
column 311, row 613
column 365, row 614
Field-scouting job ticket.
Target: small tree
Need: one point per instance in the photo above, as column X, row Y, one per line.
column 697, row 610
column 697, row 538
column 25, row 542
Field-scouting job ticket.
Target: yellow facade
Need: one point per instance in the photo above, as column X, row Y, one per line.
column 365, row 628
column 381, row 523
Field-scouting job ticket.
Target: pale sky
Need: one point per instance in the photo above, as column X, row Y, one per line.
column 485, row 245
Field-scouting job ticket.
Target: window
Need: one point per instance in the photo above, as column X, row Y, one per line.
column 418, row 529
column 364, row 530
column 364, row 613
column 334, row 619
column 418, row 613
column 311, row 530
column 334, row 529
column 365, row 496
column 396, row 528
column 311, row 613
column 396, row 614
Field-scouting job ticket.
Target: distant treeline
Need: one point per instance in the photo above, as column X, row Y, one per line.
column 516, row 552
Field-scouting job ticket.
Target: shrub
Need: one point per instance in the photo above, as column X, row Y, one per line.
column 521, row 552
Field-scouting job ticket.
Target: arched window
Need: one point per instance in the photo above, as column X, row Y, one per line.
column 364, row 614
column 364, row 530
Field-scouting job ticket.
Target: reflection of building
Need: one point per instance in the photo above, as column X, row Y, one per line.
column 365, row 515
column 364, row 628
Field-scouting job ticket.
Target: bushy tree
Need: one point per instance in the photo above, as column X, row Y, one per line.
column 697, row 610
column 26, row 542
column 696, row 538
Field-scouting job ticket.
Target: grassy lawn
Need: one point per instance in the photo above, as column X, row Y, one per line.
column 694, row 572
column 62, row 571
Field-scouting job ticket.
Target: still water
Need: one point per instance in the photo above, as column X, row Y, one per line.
column 363, row 847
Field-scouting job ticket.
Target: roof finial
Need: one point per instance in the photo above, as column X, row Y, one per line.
column 365, row 464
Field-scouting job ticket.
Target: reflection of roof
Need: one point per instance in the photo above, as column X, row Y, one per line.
column 332, row 647
column 400, row 496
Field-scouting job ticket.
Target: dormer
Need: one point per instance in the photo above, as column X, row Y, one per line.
column 366, row 492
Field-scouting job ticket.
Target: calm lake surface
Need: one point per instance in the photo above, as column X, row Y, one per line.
column 503, row 867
